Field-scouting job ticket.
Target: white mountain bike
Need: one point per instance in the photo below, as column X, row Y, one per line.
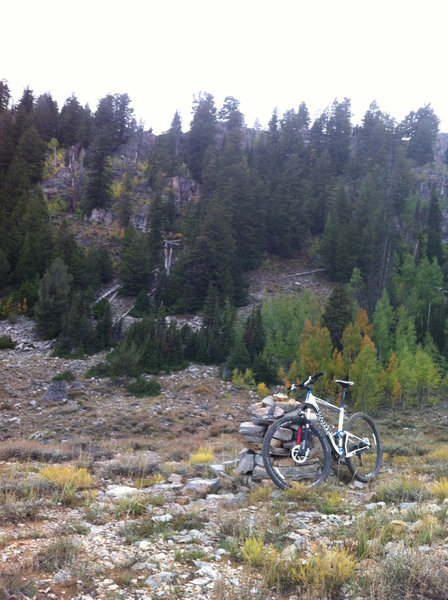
column 299, row 447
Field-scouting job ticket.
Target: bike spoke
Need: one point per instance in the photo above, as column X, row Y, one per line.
column 288, row 463
column 365, row 444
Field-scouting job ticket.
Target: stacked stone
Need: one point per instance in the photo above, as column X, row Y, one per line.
column 263, row 414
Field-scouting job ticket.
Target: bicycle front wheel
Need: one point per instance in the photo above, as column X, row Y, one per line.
column 363, row 439
column 282, row 459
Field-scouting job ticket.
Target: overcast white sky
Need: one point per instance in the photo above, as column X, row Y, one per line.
column 265, row 53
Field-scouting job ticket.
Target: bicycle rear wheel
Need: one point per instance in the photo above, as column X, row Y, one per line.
column 280, row 447
column 365, row 440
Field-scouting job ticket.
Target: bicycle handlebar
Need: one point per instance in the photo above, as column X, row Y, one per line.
column 309, row 382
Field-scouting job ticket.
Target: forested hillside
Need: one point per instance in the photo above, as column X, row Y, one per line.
column 89, row 199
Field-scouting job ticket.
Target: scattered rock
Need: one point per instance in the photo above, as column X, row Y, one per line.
column 56, row 392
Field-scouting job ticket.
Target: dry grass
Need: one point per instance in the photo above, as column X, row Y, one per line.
column 62, row 476
column 405, row 488
column 408, row 574
column 13, row 510
column 16, row 585
column 325, row 573
column 60, row 553
column 202, row 456
column 439, row 489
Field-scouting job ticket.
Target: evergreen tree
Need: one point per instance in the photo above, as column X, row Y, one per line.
column 70, row 122
column 66, row 248
column 98, row 193
column 201, row 136
column 134, row 270
column 54, row 297
column 338, row 313
column 36, row 238
column 30, row 154
column 23, row 113
column 46, row 117
column 208, row 259
column 338, row 134
column 421, row 128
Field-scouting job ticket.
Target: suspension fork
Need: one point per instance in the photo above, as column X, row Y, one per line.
column 302, row 432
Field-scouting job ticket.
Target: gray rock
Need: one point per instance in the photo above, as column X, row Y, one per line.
column 246, row 464
column 56, row 392
column 408, row 505
column 250, row 429
column 268, row 401
column 117, row 492
column 259, row 473
column 63, row 576
column 201, row 487
column 283, row 434
column 164, row 577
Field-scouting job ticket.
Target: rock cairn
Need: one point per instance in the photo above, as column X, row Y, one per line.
column 250, row 459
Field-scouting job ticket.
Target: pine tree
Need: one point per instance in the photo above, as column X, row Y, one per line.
column 201, row 136
column 54, row 298
column 338, row 313
column 134, row 271
column 36, row 237
column 30, row 154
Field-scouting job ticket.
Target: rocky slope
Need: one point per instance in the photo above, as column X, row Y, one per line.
column 150, row 522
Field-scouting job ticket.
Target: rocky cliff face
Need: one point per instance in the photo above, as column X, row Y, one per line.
column 68, row 180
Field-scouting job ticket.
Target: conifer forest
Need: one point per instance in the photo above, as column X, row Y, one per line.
column 90, row 201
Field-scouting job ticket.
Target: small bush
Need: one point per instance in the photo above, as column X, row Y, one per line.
column 153, row 480
column 15, row 585
column 13, row 511
column 102, row 369
column 404, row 489
column 142, row 388
column 262, row 391
column 439, row 489
column 300, row 491
column 409, row 574
column 131, row 506
column 325, row 573
column 440, row 454
column 60, row 554
column 330, row 502
column 7, row 343
column 65, row 376
column 260, row 494
column 67, row 475
column 188, row 556
column 203, row 455
column 253, row 551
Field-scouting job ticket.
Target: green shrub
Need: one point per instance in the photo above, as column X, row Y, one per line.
column 102, row 369
column 7, row 343
column 65, row 376
column 141, row 388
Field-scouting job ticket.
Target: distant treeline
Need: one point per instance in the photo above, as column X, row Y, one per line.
column 350, row 197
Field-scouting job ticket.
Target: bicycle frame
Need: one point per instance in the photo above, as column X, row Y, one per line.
column 340, row 436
